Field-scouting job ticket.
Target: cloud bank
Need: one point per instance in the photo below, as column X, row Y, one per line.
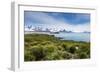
column 75, row 22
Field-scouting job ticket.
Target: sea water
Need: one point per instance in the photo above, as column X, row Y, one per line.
column 74, row 36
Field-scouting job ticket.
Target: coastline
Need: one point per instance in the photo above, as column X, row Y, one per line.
column 57, row 33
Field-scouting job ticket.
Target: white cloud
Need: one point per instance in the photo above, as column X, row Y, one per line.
column 53, row 23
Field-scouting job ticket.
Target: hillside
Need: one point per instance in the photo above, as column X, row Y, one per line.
column 41, row 47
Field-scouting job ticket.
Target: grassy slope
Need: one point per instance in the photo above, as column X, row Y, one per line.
column 40, row 47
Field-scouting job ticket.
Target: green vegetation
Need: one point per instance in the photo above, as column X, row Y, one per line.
column 41, row 47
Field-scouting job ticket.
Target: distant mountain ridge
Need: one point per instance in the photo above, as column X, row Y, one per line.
column 40, row 29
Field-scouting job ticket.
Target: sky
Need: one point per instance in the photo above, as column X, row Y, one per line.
column 76, row 22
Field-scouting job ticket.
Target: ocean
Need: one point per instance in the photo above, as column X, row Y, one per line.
column 74, row 36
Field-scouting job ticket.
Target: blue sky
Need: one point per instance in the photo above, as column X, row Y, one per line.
column 77, row 22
